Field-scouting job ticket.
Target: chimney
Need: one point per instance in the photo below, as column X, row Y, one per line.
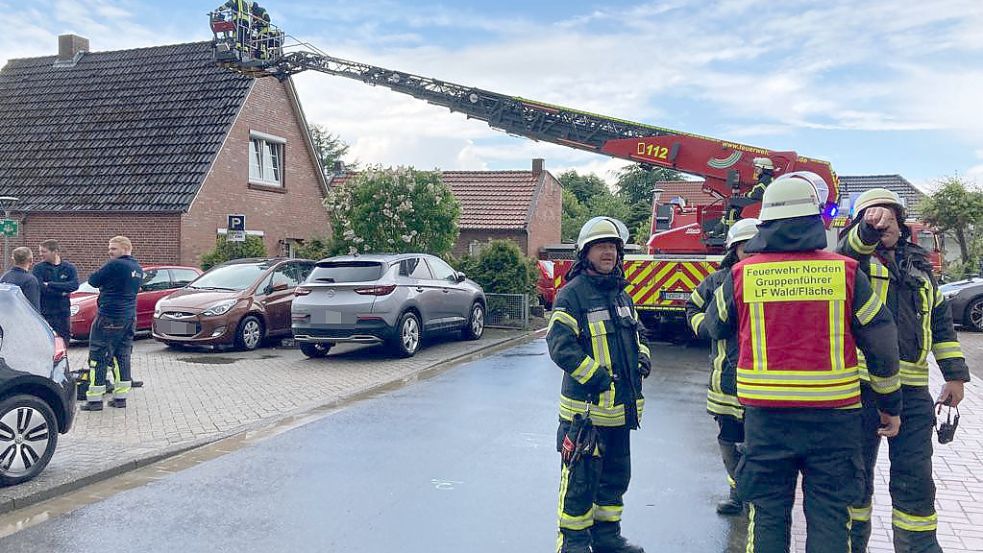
column 70, row 49
column 537, row 167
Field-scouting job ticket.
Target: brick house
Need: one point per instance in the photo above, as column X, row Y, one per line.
column 158, row 144
column 852, row 186
column 523, row 206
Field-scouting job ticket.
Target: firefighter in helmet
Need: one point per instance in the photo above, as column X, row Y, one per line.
column 595, row 337
column 764, row 173
column 722, row 401
column 901, row 275
column 799, row 314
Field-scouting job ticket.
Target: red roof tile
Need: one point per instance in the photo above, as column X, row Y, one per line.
column 691, row 191
column 489, row 199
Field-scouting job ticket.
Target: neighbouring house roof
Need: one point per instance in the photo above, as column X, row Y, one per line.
column 854, row 185
column 129, row 130
column 691, row 191
column 491, row 200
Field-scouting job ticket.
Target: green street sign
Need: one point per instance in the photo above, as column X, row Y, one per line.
column 9, row 227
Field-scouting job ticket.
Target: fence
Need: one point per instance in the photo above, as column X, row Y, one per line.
column 507, row 311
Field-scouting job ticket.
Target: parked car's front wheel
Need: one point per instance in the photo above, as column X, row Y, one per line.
column 315, row 351
column 250, row 333
column 974, row 315
column 476, row 322
column 408, row 335
column 28, row 437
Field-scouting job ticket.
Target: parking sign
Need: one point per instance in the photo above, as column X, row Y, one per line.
column 236, row 231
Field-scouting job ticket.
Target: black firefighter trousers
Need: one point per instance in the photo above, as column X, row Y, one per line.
column 823, row 445
column 912, row 489
column 592, row 489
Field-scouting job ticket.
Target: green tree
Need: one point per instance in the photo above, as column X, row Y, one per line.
column 316, row 248
column 574, row 216
column 635, row 186
column 956, row 207
column 501, row 268
column 329, row 147
column 226, row 251
column 584, row 187
column 608, row 205
column 393, row 211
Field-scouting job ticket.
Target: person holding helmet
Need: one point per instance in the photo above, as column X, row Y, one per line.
column 722, row 401
column 901, row 275
column 799, row 314
column 595, row 337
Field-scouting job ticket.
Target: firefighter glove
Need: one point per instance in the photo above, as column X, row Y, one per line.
column 600, row 382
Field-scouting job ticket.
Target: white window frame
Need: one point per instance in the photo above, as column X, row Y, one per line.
column 266, row 169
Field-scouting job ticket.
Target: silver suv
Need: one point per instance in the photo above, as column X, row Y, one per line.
column 393, row 299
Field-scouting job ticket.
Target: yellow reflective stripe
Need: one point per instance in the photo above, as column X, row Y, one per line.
column 565, row 520
column 564, row 318
column 696, row 298
column 643, row 349
column 724, row 404
column 759, row 343
column 880, row 279
column 600, row 414
column 913, row 377
column 938, row 298
column 731, row 482
column 608, row 513
column 869, row 310
column 750, row 528
column 926, row 325
column 585, row 370
column 722, row 398
column 718, row 365
column 797, row 377
column 862, row 513
column 884, row 385
column 696, row 321
column 853, row 239
column 914, row 523
column 837, row 361
column 721, row 304
column 946, row 350
column 828, row 393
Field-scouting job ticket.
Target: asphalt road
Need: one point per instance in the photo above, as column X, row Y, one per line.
column 462, row 462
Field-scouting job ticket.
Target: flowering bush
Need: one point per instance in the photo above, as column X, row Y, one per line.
column 394, row 211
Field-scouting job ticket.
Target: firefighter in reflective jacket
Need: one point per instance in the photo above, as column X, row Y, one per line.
column 722, row 401
column 800, row 314
column 901, row 274
column 594, row 336
column 240, row 16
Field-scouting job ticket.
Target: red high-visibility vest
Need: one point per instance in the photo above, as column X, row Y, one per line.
column 796, row 345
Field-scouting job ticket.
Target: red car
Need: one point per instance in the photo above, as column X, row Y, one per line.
column 158, row 282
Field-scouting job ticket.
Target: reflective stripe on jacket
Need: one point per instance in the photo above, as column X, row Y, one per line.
column 593, row 329
column 722, row 387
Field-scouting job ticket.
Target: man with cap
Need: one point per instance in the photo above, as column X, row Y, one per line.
column 594, row 336
column 901, row 275
column 722, row 402
column 799, row 314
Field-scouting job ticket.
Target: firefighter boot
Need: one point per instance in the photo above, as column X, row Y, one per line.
column 573, row 541
column 731, row 455
column 606, row 538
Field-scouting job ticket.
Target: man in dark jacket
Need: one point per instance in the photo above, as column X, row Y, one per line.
column 901, row 274
column 594, row 336
column 722, row 402
column 800, row 313
column 58, row 279
column 111, row 336
column 20, row 276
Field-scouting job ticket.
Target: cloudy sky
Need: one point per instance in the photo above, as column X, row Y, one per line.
column 874, row 86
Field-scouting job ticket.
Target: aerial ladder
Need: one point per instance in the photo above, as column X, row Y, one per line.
column 685, row 241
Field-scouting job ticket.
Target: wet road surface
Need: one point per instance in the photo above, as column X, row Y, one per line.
column 462, row 462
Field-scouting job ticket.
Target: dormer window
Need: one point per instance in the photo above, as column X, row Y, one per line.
column 266, row 159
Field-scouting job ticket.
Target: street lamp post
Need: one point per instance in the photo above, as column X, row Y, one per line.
column 6, row 202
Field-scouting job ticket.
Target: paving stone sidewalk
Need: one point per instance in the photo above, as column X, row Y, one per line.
column 195, row 397
column 958, row 472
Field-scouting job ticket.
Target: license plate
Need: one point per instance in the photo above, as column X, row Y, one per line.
column 326, row 317
column 176, row 328
column 676, row 296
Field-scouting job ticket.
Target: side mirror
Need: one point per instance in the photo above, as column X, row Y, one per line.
column 460, row 277
column 279, row 287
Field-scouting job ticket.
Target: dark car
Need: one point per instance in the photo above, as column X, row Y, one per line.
column 37, row 391
column 238, row 303
column 158, row 282
column 966, row 299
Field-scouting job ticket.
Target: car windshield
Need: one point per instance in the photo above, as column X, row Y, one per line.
column 87, row 288
column 346, row 271
column 230, row 277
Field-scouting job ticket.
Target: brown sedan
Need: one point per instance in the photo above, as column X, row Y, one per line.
column 238, row 303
